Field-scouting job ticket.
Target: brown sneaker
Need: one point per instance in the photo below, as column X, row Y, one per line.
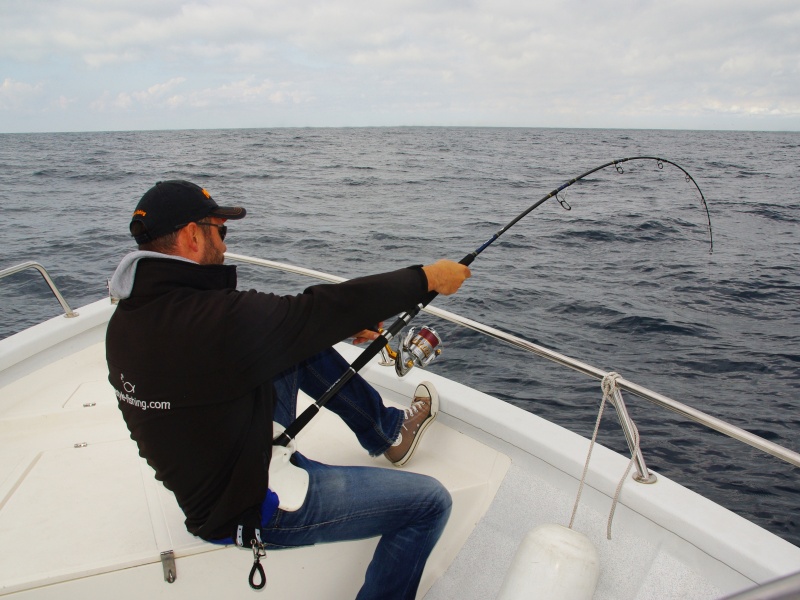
column 418, row 416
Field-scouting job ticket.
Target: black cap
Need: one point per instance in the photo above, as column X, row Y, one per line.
column 170, row 205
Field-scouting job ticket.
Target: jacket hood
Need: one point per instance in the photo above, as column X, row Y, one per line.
column 121, row 284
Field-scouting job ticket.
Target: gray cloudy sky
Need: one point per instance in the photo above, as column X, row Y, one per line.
column 80, row 65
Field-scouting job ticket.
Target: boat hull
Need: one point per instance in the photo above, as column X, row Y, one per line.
column 84, row 516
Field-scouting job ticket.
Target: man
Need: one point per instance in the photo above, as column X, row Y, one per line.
column 202, row 370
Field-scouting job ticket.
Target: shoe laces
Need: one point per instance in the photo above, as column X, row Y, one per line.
column 418, row 405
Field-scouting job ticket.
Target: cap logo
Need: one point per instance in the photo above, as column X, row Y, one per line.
column 205, row 193
column 139, row 213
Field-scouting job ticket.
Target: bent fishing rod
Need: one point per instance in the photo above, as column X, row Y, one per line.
column 387, row 335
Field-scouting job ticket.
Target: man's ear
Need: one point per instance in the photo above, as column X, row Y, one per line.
column 188, row 243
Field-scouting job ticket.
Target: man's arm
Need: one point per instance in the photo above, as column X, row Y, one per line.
column 444, row 277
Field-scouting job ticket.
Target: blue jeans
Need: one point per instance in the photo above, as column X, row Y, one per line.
column 408, row 510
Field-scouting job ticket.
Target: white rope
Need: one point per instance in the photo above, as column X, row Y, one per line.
column 609, row 387
column 589, row 454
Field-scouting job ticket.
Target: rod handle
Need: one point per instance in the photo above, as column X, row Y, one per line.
column 294, row 428
column 467, row 260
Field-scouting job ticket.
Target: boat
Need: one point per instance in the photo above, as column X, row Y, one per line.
column 82, row 516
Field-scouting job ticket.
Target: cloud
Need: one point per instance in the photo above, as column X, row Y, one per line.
column 173, row 95
column 248, row 91
column 17, row 95
column 403, row 61
column 155, row 95
column 99, row 60
column 62, row 102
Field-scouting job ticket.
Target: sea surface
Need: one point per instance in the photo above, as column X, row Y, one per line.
column 624, row 280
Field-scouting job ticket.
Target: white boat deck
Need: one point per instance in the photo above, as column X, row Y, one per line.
column 77, row 503
column 81, row 515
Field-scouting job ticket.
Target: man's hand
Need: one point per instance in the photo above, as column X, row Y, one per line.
column 367, row 335
column 446, row 276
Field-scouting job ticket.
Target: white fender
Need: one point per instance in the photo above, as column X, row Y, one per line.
column 552, row 562
column 288, row 481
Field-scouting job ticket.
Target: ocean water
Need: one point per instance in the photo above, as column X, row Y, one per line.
column 623, row 281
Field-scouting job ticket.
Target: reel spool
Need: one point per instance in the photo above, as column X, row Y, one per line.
column 418, row 348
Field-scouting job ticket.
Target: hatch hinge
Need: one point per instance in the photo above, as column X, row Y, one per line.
column 168, row 564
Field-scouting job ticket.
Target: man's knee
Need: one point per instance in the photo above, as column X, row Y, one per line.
column 438, row 497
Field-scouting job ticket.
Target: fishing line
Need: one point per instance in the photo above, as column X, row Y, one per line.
column 387, row 335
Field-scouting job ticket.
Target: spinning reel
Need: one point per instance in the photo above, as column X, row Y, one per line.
column 418, row 348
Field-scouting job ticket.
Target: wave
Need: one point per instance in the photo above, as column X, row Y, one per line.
column 653, row 326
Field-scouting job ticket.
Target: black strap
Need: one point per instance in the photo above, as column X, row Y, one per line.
column 248, row 533
column 258, row 552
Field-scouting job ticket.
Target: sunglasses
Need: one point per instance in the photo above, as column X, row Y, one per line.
column 223, row 229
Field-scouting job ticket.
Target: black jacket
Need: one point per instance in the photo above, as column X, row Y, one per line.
column 192, row 361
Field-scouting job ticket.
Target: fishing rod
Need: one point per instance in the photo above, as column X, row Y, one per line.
column 387, row 335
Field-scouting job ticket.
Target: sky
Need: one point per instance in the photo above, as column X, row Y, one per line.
column 104, row 65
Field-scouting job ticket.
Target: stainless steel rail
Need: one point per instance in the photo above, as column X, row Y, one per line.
column 68, row 312
column 688, row 412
